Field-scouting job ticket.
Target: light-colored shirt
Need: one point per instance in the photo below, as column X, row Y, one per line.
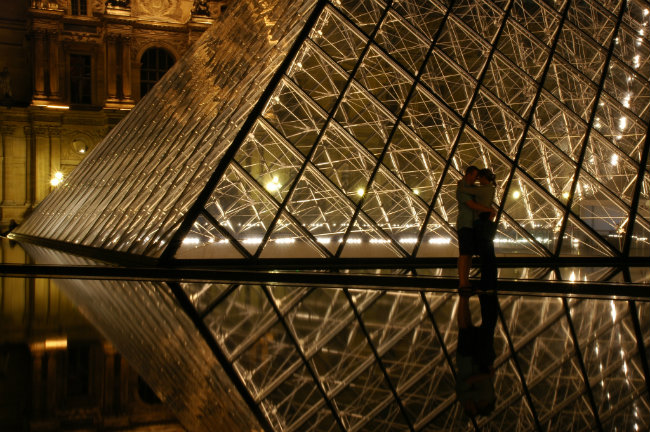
column 480, row 194
column 465, row 216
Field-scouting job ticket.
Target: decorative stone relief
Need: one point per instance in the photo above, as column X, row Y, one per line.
column 163, row 10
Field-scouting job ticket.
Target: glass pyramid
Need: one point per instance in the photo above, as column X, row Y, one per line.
column 334, row 132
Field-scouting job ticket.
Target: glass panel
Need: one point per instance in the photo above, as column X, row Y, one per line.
column 367, row 240
column 241, row 208
column 578, row 241
column 632, row 51
column 363, row 13
column 571, row 88
column 296, row 117
column 432, row 121
column 426, row 16
column 628, row 89
column 270, row 160
column 447, row 81
column 481, row 16
column 640, row 242
column 338, row 38
column 203, row 295
column 384, row 80
column 592, row 19
column 402, row 43
column 317, row 76
column 498, row 125
column 365, row 119
column 204, row 241
column 537, row 18
column 585, row 55
column 523, row 49
column 414, row 163
column 463, row 46
column 620, row 128
column 288, row 241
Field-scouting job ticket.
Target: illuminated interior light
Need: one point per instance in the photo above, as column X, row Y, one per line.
column 416, row 191
column 286, row 240
column 211, row 240
column 360, row 191
column 376, row 241
column 637, row 61
column 409, row 240
column 56, row 344
column 61, row 107
column 645, row 12
column 565, row 195
column 572, row 278
column 276, row 98
column 516, row 194
column 299, row 65
column 191, row 240
column 222, row 241
column 57, row 179
column 273, row 185
column 323, row 240
column 252, row 240
column 641, row 32
column 440, row 240
column 614, row 159
column 354, row 241
column 622, row 123
column 612, row 310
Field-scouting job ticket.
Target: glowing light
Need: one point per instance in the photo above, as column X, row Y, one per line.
column 637, row 61
column 286, row 240
column 360, row 191
column 409, row 240
column 622, row 123
column 273, row 185
column 613, row 310
column 57, row 179
column 379, row 241
column 614, row 159
column 354, row 241
column 191, row 241
column 416, row 191
column 61, row 107
column 252, row 240
column 565, row 195
column 323, row 240
column 55, row 344
column 516, row 194
column 440, row 240
column 572, row 277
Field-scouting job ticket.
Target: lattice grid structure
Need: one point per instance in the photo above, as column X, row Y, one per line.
column 338, row 129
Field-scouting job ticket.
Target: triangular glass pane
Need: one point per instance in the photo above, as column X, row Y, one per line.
column 630, row 90
column 482, row 16
column 433, row 122
column 242, row 208
column 318, row 76
column 205, row 241
column 612, row 168
column 291, row 399
column 367, row 390
column 439, row 240
column 571, row 88
column 366, row 241
column 593, row 20
column 204, row 294
column 320, row 209
column 446, row 205
column 633, row 52
column 269, row 160
column 384, row 80
column 448, row 82
column 258, row 368
column 364, row 13
column 386, row 416
column 296, row 117
column 605, row 215
column 512, row 239
column 496, row 123
column 394, row 209
column 640, row 241
column 463, row 46
column 288, row 241
column 338, row 39
column 583, row 53
column 559, row 126
column 643, row 207
column 548, row 166
column 578, row 241
column 414, row 163
column 625, row 131
column 235, row 324
column 402, row 43
column 345, row 163
column 537, row 18
column 523, row 49
column 510, row 84
column 365, row 119
column 425, row 16
column 533, row 211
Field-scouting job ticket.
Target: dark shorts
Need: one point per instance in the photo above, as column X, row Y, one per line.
column 478, row 343
column 466, row 241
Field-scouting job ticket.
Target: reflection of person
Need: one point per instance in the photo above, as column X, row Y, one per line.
column 485, row 228
column 475, row 356
column 467, row 206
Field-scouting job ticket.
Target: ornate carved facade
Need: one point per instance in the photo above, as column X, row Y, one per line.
column 69, row 71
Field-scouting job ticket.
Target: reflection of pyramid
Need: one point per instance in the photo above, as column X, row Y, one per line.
column 331, row 130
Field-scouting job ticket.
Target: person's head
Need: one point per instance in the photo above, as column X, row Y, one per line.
column 486, row 176
column 471, row 172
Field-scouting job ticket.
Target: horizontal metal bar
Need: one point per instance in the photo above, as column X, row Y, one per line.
column 326, row 280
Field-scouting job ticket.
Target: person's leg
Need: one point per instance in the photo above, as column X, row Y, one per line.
column 463, row 314
column 464, row 265
column 466, row 248
column 489, row 311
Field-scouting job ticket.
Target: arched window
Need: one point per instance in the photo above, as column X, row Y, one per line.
column 153, row 65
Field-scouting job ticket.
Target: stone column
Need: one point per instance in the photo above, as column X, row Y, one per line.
column 111, row 84
column 39, row 65
column 42, row 174
column 126, row 68
column 55, row 92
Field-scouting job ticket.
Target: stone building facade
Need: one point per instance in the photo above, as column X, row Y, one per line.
column 69, row 71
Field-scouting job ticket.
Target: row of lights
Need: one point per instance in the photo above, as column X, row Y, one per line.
column 195, row 241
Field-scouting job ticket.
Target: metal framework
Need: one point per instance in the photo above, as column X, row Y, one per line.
column 290, row 183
